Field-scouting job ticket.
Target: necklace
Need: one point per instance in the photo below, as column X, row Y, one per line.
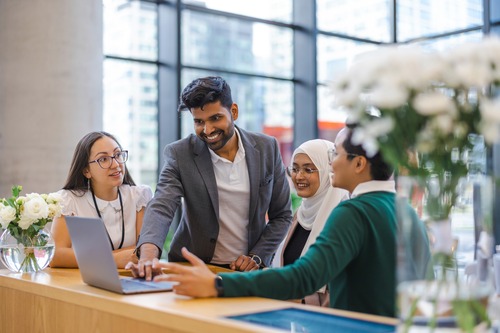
column 123, row 220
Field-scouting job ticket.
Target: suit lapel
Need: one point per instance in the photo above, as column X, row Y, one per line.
column 253, row 164
column 203, row 162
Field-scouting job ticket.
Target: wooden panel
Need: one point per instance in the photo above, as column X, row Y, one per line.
column 25, row 312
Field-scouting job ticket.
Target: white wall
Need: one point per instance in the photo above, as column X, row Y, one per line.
column 50, row 88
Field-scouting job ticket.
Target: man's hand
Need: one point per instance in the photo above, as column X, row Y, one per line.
column 195, row 281
column 244, row 264
column 144, row 267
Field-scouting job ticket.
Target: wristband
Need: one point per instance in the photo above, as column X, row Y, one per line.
column 218, row 286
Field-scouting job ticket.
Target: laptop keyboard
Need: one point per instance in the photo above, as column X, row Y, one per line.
column 132, row 285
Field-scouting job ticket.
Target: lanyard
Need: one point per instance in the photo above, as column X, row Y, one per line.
column 123, row 220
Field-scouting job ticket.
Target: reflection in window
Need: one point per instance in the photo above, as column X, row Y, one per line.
column 229, row 44
column 276, row 10
column 265, row 105
column 130, row 113
column 368, row 19
column 335, row 55
column 422, row 18
column 130, row 29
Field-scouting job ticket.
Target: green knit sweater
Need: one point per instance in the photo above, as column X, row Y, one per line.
column 355, row 255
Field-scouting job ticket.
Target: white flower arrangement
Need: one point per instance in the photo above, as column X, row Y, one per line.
column 434, row 104
column 25, row 216
column 426, row 111
column 439, row 97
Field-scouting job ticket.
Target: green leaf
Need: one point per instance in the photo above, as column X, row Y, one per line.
column 16, row 190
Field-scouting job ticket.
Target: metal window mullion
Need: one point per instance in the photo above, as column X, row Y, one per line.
column 305, row 72
column 168, row 75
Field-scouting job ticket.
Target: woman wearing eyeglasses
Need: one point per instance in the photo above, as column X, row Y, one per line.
column 310, row 174
column 98, row 185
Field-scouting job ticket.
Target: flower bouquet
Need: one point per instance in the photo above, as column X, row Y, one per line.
column 25, row 246
column 430, row 114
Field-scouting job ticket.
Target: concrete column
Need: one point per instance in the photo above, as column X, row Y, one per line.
column 50, row 88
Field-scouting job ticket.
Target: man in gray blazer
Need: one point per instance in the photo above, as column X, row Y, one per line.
column 228, row 178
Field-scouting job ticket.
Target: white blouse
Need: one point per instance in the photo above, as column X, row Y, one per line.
column 134, row 199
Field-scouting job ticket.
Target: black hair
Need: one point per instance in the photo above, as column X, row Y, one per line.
column 76, row 181
column 206, row 90
column 379, row 169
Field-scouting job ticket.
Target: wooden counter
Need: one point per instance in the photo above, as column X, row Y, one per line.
column 56, row 300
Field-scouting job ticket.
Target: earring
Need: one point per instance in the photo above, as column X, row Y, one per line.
column 88, row 184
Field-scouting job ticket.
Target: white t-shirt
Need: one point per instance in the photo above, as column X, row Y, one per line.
column 134, row 199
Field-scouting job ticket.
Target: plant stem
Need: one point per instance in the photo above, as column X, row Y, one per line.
column 29, row 263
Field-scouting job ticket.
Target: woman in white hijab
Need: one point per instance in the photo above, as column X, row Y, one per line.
column 310, row 174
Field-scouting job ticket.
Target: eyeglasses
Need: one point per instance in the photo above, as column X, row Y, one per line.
column 332, row 153
column 105, row 162
column 306, row 172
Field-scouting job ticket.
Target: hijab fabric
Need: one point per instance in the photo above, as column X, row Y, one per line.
column 314, row 211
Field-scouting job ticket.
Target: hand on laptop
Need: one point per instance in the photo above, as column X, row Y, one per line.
column 195, row 281
column 144, row 267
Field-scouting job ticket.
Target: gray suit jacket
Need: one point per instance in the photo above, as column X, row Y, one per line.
column 188, row 173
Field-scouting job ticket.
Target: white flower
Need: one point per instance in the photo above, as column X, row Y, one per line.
column 428, row 104
column 426, row 141
column 361, row 136
column 381, row 126
column 55, row 210
column 467, row 67
column 367, row 136
column 460, row 130
column 35, row 208
column 443, row 123
column 25, row 222
column 490, row 131
column 35, row 195
column 346, row 92
column 32, row 209
column 490, row 110
column 7, row 215
column 490, row 123
column 53, row 198
column 388, row 95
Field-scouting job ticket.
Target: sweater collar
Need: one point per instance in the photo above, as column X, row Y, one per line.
column 374, row 186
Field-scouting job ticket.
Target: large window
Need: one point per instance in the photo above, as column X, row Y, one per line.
column 279, row 57
column 131, row 83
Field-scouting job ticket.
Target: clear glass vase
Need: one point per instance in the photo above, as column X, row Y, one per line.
column 447, row 290
column 27, row 255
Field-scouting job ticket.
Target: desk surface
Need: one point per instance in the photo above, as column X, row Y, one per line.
column 57, row 299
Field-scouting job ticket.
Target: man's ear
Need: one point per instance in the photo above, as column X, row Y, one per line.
column 361, row 164
column 234, row 111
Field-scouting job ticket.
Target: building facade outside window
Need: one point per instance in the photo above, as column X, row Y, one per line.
column 252, row 44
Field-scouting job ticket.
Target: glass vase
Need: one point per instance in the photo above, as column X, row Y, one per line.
column 27, row 255
column 447, row 290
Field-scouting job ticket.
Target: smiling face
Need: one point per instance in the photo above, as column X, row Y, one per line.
column 306, row 184
column 214, row 124
column 104, row 179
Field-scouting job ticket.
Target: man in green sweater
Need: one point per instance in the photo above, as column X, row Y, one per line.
column 355, row 254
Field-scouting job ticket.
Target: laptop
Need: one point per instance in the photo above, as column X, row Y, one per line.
column 95, row 259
